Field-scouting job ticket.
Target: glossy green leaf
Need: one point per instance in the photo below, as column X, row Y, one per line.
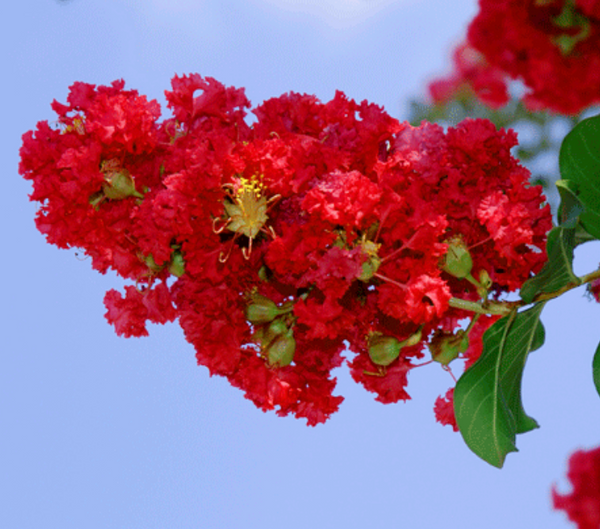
column 596, row 369
column 579, row 163
column 570, row 206
column 558, row 270
column 487, row 398
column 581, row 235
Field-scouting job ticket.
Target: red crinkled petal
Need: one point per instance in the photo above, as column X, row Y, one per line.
column 129, row 314
column 348, row 199
column 582, row 505
column 389, row 386
column 444, row 410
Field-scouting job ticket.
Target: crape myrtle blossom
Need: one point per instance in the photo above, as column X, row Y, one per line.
column 582, row 505
column 323, row 229
column 553, row 46
column 471, row 72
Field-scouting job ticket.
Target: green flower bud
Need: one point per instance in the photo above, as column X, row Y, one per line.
column 276, row 327
column 371, row 265
column 177, row 264
column 457, row 261
column 258, row 336
column 280, row 352
column 369, row 268
column 263, row 274
column 261, row 310
column 151, row 264
column 265, row 334
column 485, row 279
column 383, row 350
column 119, row 185
column 445, row 347
column 485, row 283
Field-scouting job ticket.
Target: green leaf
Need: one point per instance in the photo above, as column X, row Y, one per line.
column 570, row 206
column 581, row 235
column 570, row 209
column 596, row 369
column 558, row 271
column 487, row 397
column 579, row 162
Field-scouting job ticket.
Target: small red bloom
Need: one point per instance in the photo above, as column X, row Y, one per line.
column 129, row 314
column 471, row 72
column 444, row 410
column 582, row 505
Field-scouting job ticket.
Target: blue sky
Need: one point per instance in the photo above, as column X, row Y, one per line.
column 103, row 432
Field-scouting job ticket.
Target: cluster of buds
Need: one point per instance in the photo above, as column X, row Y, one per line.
column 273, row 329
column 321, row 233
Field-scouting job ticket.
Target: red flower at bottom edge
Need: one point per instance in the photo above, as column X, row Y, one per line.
column 583, row 504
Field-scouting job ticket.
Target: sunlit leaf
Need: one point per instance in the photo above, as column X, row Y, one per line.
column 558, row 270
column 570, row 206
column 579, row 162
column 487, row 398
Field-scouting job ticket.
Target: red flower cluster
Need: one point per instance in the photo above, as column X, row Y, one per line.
column 553, row 46
column 582, row 505
column 471, row 72
column 319, row 228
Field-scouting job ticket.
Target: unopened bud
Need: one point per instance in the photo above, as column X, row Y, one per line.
column 280, row 352
column 445, row 347
column 485, row 279
column 261, row 310
column 151, row 264
column 371, row 265
column 457, row 261
column 263, row 274
column 276, row 327
column 383, row 350
column 369, row 268
column 119, row 185
column 484, row 285
column 177, row 264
